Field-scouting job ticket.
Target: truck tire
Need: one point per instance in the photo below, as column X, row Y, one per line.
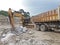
column 37, row 27
column 43, row 28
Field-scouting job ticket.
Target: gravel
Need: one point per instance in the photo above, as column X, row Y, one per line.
column 24, row 36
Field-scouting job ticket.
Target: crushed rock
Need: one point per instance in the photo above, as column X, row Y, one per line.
column 23, row 36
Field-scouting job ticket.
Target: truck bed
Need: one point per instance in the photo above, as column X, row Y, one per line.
column 52, row 15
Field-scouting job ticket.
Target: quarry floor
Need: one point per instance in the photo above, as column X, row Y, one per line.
column 38, row 37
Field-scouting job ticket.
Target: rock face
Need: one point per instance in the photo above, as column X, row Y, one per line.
column 4, row 20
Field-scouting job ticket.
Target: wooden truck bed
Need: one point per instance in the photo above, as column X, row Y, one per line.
column 52, row 15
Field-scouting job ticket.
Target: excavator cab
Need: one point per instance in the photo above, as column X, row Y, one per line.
column 26, row 21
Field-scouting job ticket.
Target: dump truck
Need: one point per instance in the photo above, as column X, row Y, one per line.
column 47, row 20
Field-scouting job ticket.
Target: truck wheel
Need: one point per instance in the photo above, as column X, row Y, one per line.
column 43, row 28
column 37, row 27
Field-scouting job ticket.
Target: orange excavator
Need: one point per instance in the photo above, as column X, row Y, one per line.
column 24, row 20
column 11, row 17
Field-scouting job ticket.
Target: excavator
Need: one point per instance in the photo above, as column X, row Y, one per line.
column 11, row 16
column 25, row 21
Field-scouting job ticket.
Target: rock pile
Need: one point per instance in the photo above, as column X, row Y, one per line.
column 22, row 36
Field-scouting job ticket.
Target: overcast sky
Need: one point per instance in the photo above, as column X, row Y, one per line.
column 32, row 6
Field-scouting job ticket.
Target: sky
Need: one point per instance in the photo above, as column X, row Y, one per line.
column 33, row 6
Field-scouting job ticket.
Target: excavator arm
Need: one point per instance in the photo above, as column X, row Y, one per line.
column 11, row 18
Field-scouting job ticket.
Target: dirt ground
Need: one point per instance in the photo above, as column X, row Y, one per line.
column 47, row 38
column 52, row 37
column 39, row 37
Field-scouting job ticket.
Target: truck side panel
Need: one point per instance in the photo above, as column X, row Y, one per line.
column 53, row 15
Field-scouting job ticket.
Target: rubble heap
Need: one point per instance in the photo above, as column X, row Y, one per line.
column 22, row 36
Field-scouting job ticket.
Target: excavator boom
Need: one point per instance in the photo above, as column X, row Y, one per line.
column 11, row 19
